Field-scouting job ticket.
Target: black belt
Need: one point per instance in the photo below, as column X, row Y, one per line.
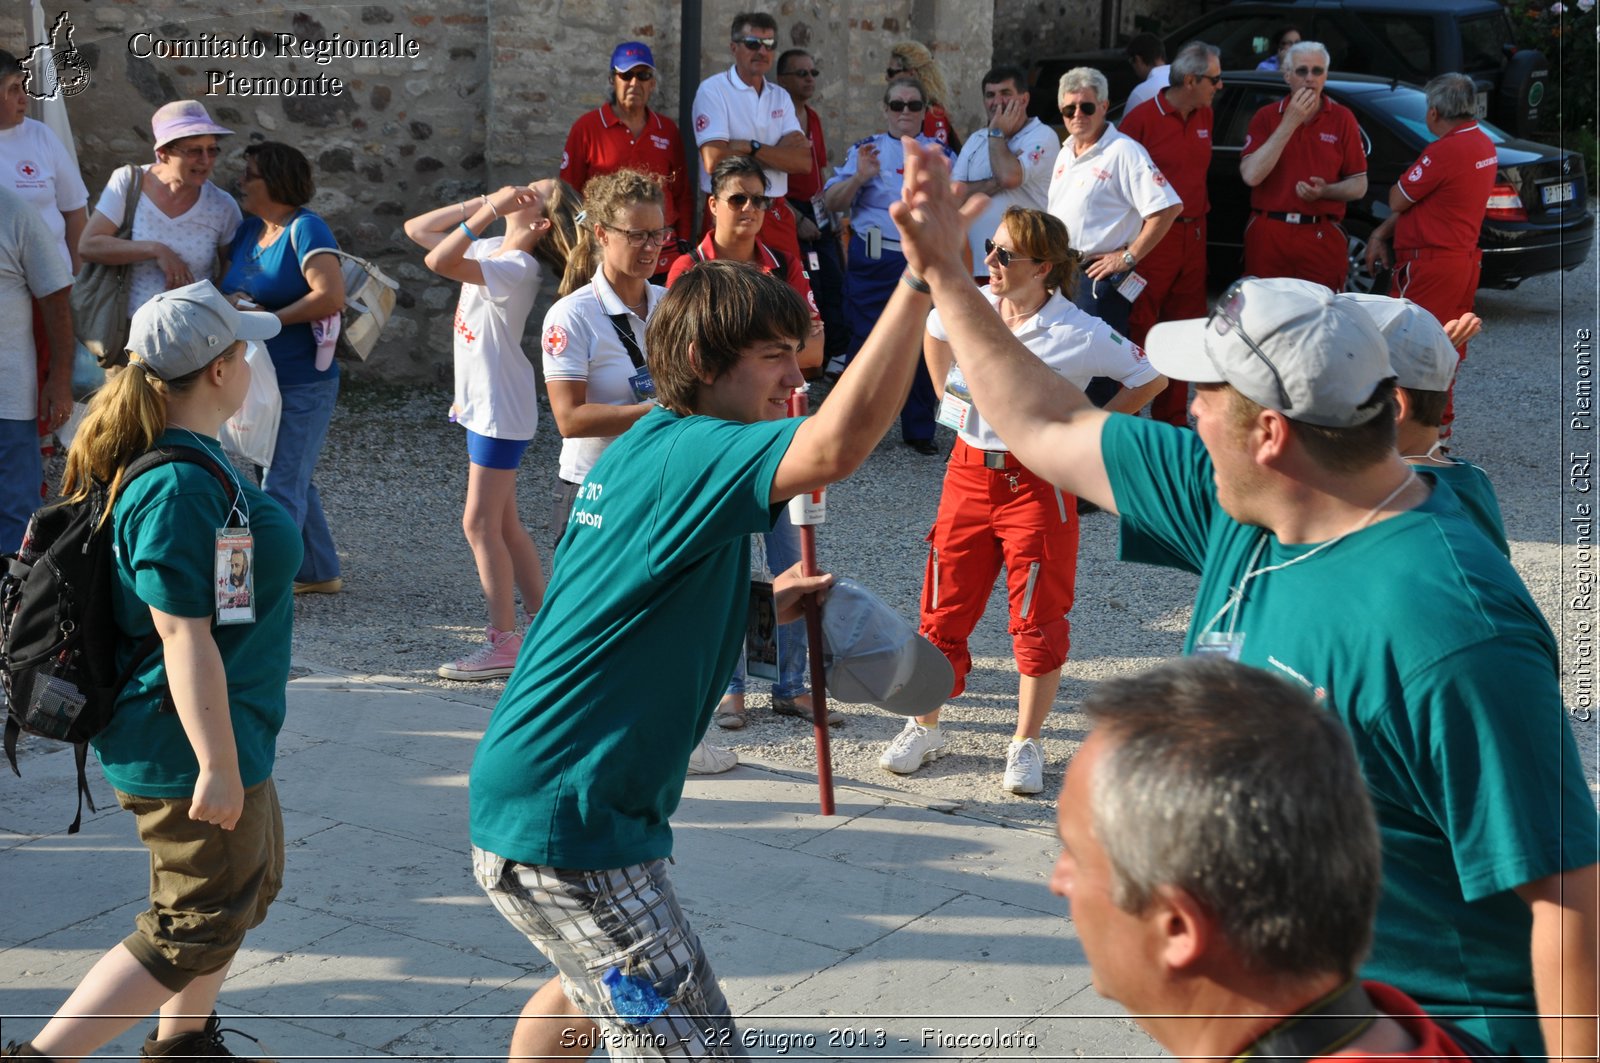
column 1294, row 218
column 1189, row 221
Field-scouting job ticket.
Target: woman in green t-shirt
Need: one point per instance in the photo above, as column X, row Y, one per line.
column 210, row 571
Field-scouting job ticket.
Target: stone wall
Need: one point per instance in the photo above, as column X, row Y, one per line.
column 482, row 94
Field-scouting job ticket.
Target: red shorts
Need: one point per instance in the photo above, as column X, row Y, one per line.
column 990, row 518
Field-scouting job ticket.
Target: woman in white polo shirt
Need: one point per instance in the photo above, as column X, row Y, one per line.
column 593, row 337
column 994, row 511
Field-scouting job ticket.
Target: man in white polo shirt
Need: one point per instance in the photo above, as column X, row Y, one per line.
column 1008, row 160
column 740, row 112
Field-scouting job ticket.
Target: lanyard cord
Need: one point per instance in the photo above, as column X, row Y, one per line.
column 238, row 488
column 1251, row 572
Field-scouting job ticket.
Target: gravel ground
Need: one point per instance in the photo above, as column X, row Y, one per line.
column 393, row 479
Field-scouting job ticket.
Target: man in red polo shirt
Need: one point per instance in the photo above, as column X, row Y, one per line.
column 1175, row 128
column 1438, row 211
column 626, row 134
column 1303, row 161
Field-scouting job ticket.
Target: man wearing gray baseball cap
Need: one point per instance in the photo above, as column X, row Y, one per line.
column 1325, row 558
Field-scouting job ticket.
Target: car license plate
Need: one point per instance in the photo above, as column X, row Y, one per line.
column 1560, row 192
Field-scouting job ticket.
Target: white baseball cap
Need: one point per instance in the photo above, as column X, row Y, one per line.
column 1419, row 349
column 1289, row 345
column 874, row 657
column 184, row 329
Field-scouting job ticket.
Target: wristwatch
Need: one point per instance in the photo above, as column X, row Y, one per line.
column 755, row 146
column 998, row 134
column 1128, row 259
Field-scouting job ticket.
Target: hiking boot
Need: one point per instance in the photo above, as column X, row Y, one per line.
column 708, row 759
column 1024, row 767
column 913, row 747
column 493, row 660
column 197, row 1044
column 23, row 1050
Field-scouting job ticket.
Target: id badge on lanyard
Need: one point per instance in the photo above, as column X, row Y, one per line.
column 236, row 576
column 955, row 406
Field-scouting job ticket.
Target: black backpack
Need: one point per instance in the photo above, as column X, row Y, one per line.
column 58, row 635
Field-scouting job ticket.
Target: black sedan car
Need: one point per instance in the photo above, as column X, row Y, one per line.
column 1538, row 219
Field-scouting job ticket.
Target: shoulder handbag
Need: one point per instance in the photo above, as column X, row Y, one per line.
column 370, row 295
column 100, row 293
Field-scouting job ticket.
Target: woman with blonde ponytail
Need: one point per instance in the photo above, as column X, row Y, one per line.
column 191, row 745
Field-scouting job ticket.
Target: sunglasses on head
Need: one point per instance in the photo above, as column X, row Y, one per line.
column 894, row 72
column 1070, row 110
column 1228, row 317
column 642, row 73
column 905, row 105
column 757, row 43
column 1003, row 255
column 1310, row 71
column 741, row 200
column 813, row 72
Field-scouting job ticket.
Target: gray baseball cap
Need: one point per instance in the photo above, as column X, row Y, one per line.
column 182, row 330
column 874, row 656
column 1289, row 345
column 1419, row 350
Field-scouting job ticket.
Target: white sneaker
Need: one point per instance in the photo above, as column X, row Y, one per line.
column 708, row 759
column 1024, row 767
column 913, row 747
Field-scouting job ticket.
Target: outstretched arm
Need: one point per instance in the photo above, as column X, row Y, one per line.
column 933, row 229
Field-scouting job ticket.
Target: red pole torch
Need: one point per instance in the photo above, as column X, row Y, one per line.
column 805, row 513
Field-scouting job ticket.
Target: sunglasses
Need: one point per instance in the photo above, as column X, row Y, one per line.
column 1215, row 79
column 197, row 152
column 1003, row 255
column 742, row 200
column 1310, row 71
column 757, row 43
column 905, row 105
column 1228, row 309
column 640, row 237
column 643, row 73
column 1070, row 110
column 813, row 72
column 894, row 72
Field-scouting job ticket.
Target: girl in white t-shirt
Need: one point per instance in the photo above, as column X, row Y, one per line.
column 496, row 396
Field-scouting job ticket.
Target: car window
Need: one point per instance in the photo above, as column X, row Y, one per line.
column 1342, row 57
column 1245, row 40
column 1250, row 100
column 1411, row 39
column 1483, row 42
column 1410, row 109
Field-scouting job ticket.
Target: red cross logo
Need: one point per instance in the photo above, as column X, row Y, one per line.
column 27, row 169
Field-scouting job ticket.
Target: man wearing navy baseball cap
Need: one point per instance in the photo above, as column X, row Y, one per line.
column 1325, row 558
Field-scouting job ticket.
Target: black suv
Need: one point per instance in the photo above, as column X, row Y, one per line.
column 1406, row 40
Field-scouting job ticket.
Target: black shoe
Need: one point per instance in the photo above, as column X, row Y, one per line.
column 1086, row 507
column 197, row 1044
column 923, row 446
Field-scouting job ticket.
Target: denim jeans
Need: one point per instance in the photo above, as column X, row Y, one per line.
column 307, row 411
column 783, row 550
column 1102, row 299
column 21, row 473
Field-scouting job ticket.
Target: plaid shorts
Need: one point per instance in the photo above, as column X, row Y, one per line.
column 625, row 952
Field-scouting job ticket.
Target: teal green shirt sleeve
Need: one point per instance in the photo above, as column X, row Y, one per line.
column 1161, row 479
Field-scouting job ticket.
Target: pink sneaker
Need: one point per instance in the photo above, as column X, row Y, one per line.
column 493, row 660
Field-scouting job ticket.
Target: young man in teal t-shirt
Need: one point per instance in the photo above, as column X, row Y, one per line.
column 1325, row 558
column 583, row 761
